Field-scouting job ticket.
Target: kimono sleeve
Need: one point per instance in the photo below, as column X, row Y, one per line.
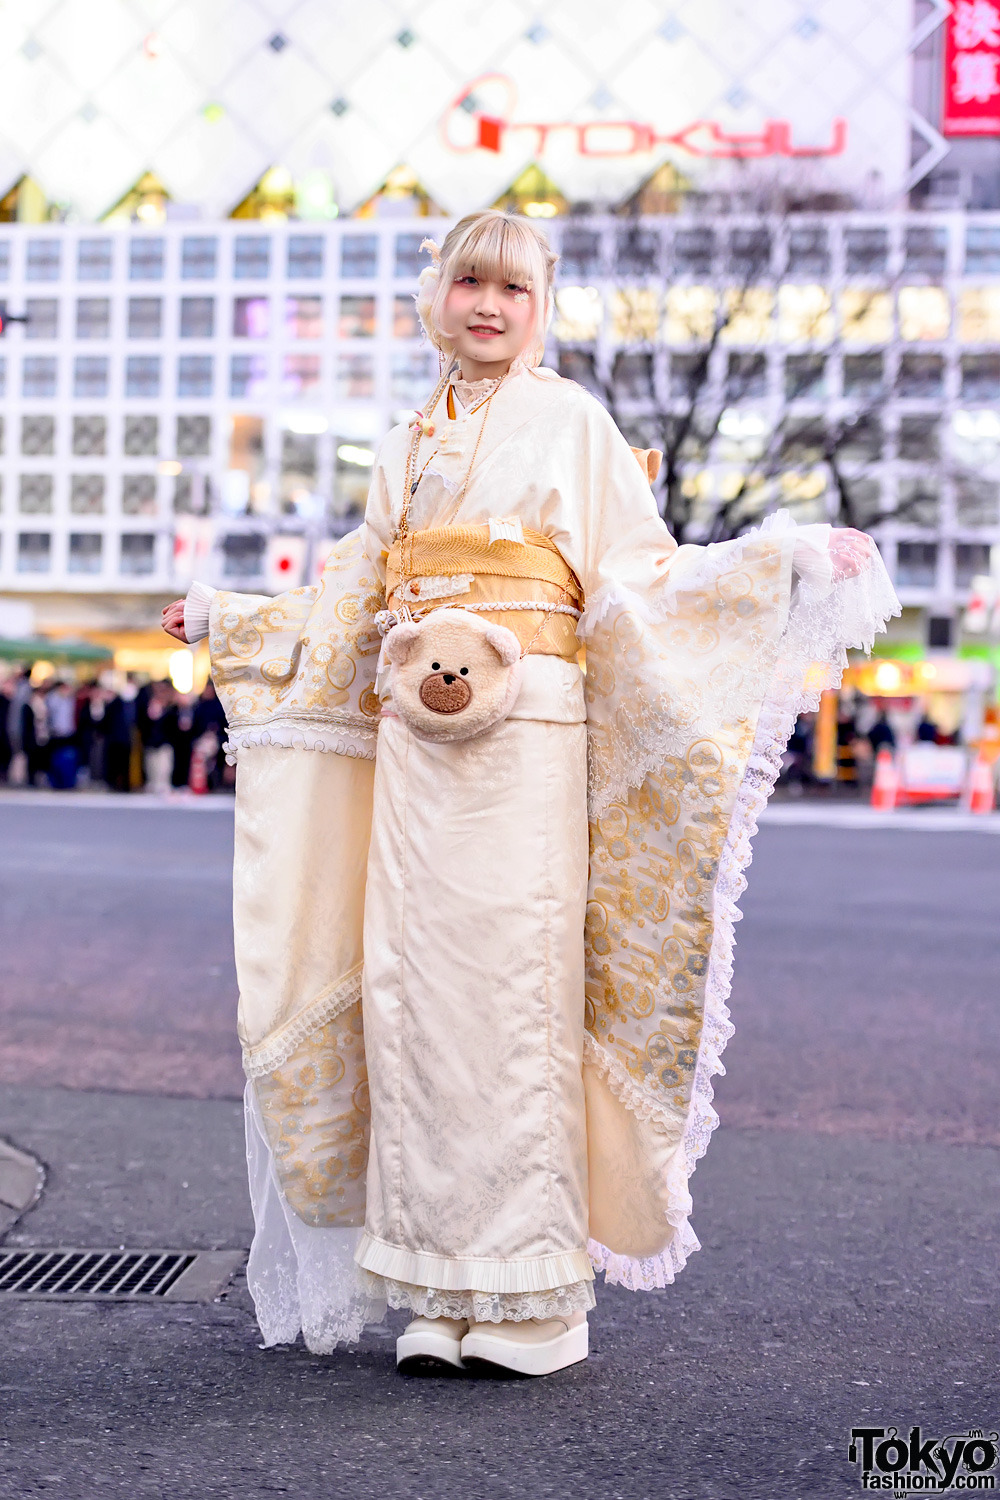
column 298, row 669
column 680, row 638
column 623, row 546
column 699, row 660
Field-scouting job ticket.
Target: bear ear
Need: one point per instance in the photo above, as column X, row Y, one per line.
column 505, row 643
column 401, row 641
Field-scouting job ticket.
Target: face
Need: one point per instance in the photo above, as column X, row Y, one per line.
column 489, row 323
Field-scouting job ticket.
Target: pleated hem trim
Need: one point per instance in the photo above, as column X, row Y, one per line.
column 538, row 1274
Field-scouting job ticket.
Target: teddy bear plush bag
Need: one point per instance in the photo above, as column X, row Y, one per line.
column 452, row 676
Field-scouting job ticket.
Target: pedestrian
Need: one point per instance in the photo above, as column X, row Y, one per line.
column 119, row 730
column 20, row 692
column 510, row 1088
column 881, row 736
column 35, row 735
column 797, row 760
column 6, row 749
column 181, row 731
column 927, row 731
column 61, row 707
column 92, row 706
column 157, row 739
column 208, row 734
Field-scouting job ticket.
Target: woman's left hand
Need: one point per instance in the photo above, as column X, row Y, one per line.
column 850, row 552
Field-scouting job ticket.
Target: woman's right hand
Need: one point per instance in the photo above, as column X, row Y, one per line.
column 172, row 621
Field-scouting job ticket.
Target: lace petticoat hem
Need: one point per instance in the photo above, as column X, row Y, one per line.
column 482, row 1307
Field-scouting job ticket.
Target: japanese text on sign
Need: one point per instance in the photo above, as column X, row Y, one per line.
column 972, row 69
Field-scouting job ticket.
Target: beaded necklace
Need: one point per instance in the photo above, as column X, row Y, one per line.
column 423, row 426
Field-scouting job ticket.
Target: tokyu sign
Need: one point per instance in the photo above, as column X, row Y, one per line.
column 473, row 122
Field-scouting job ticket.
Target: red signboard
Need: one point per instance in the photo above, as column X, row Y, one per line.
column 972, row 69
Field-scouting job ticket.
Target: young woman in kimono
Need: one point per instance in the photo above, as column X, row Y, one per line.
column 483, row 979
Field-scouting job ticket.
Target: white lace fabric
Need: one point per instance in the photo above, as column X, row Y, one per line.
column 302, row 1278
column 483, row 1307
column 470, row 392
column 305, row 1279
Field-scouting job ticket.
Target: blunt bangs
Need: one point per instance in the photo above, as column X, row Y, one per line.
column 499, row 250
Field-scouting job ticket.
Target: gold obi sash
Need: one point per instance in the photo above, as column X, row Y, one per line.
column 458, row 565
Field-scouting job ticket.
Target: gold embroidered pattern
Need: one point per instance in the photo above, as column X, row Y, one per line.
column 300, row 669
column 662, row 792
column 317, row 1115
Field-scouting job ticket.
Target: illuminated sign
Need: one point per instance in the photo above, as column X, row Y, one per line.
column 972, row 69
column 470, row 125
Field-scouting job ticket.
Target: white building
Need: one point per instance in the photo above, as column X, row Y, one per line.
column 251, row 369
column 190, row 387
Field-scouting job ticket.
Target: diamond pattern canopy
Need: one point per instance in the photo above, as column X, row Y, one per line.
column 208, row 94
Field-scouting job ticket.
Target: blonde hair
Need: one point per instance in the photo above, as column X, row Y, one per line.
column 497, row 246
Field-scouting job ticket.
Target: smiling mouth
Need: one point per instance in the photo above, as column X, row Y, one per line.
column 485, row 332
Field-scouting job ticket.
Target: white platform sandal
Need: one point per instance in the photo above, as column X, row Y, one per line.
column 431, row 1344
column 534, row 1347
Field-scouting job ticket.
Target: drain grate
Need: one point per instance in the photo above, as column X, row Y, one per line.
column 178, row 1275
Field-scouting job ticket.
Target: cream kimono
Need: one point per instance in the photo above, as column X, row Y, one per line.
column 483, row 985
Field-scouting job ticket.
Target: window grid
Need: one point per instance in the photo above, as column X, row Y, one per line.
column 328, row 324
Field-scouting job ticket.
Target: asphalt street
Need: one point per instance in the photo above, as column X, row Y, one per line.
column 847, row 1208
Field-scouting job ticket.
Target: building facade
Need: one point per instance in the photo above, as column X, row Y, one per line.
column 210, row 242
column 185, row 398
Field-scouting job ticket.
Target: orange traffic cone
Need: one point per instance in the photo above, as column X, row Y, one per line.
column 885, row 786
column 981, row 798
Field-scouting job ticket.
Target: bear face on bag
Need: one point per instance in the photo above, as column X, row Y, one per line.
column 452, row 675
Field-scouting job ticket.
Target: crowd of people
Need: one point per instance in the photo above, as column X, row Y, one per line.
column 861, row 733
column 114, row 732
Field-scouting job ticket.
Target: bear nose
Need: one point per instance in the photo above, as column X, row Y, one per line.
column 444, row 693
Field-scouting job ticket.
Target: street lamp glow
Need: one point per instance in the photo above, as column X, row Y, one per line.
column 888, row 677
column 741, row 424
column 349, row 454
column 304, row 422
column 977, row 424
column 181, row 669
